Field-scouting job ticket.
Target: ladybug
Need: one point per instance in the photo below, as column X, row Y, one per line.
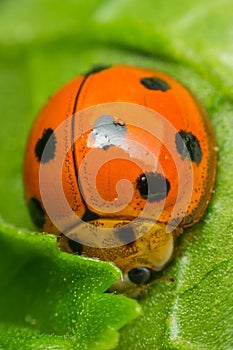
column 117, row 164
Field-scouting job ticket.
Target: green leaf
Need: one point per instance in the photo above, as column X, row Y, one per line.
column 44, row 43
column 56, row 299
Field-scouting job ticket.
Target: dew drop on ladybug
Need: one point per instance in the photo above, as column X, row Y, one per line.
column 118, row 163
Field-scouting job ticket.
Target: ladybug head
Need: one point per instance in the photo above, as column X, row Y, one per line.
column 139, row 260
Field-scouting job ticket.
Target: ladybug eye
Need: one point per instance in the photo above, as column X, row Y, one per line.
column 140, row 275
column 153, row 186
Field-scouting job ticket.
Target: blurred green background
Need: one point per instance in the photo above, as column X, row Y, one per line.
column 49, row 299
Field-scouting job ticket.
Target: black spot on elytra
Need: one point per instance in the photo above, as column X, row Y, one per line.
column 97, row 68
column 126, row 234
column 48, row 141
column 153, row 186
column 188, row 146
column 36, row 212
column 89, row 215
column 76, row 247
column 154, row 83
